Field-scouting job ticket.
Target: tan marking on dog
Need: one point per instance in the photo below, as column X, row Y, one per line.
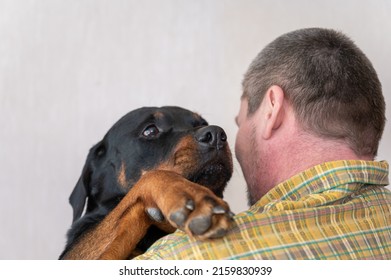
column 158, row 115
column 121, row 179
column 184, row 159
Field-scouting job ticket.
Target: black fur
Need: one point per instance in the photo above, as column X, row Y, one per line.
column 142, row 139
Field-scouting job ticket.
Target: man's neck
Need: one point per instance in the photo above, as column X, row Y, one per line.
column 285, row 162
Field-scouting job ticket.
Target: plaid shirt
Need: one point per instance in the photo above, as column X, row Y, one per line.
column 336, row 210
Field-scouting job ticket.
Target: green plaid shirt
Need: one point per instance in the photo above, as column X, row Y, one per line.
column 336, row 210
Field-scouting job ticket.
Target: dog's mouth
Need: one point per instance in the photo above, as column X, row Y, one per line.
column 214, row 176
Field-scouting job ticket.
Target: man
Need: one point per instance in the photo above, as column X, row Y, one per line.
column 311, row 118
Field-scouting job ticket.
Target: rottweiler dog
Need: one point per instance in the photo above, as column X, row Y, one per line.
column 155, row 170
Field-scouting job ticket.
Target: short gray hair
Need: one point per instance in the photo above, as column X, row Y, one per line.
column 329, row 81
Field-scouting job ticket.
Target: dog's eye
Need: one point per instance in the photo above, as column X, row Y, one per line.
column 151, row 131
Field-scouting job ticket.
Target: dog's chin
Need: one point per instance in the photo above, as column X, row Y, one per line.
column 213, row 176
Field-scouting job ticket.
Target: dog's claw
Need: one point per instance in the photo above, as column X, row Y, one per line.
column 190, row 205
column 155, row 214
column 219, row 210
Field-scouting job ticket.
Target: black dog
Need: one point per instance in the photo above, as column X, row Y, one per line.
column 157, row 168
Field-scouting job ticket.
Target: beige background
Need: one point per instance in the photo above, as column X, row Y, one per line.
column 69, row 69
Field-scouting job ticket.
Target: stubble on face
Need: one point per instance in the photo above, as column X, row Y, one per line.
column 250, row 155
column 252, row 179
column 256, row 166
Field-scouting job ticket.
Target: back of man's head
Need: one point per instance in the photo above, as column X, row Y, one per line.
column 330, row 83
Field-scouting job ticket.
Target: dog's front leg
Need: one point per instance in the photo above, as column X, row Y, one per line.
column 159, row 197
column 117, row 235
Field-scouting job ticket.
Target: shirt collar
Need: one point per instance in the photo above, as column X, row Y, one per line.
column 338, row 177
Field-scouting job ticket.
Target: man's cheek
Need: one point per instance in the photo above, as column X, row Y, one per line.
column 237, row 146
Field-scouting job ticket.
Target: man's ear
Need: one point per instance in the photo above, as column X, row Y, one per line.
column 273, row 103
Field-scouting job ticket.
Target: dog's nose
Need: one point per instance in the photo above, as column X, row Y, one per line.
column 211, row 136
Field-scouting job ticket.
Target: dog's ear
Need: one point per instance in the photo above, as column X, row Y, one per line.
column 80, row 192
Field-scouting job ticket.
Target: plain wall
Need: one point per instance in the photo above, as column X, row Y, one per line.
column 70, row 68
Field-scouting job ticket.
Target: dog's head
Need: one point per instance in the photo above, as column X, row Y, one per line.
column 169, row 138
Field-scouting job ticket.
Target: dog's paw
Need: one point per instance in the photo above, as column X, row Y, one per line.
column 204, row 215
column 187, row 206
